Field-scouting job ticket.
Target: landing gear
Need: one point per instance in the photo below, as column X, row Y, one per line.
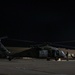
column 56, row 58
column 48, row 58
column 9, row 58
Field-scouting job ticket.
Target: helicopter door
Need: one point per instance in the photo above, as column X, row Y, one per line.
column 43, row 53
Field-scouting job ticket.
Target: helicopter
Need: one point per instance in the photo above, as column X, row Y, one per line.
column 39, row 51
column 47, row 52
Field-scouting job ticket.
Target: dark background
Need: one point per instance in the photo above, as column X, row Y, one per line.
column 38, row 21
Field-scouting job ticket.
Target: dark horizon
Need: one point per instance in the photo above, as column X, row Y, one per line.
column 38, row 21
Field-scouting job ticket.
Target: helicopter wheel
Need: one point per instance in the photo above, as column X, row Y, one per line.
column 56, row 58
column 48, row 58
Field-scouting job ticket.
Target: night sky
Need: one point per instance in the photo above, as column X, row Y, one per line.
column 38, row 21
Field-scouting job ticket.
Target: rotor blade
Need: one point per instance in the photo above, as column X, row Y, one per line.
column 65, row 41
column 64, row 46
column 22, row 40
column 3, row 37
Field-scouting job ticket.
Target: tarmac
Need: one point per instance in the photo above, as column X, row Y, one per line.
column 36, row 67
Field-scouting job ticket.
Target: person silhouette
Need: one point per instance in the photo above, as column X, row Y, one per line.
column 67, row 56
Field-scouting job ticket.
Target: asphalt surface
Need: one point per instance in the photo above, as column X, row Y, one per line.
column 36, row 67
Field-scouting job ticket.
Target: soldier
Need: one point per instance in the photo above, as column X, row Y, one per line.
column 67, row 56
